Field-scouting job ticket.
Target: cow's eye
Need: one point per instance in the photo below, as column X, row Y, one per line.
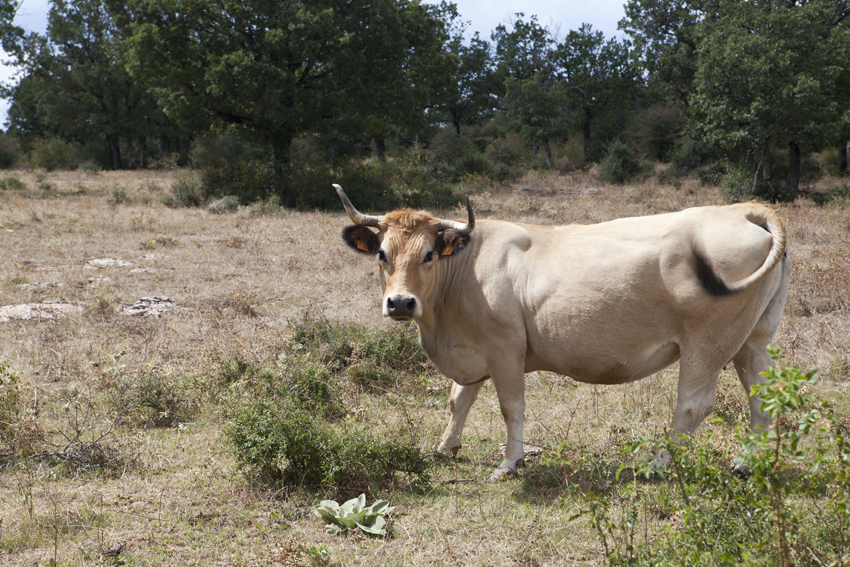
column 381, row 256
column 428, row 256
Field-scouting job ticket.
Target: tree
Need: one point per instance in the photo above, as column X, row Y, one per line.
column 525, row 50
column 76, row 86
column 536, row 106
column 597, row 73
column 272, row 70
column 533, row 99
column 768, row 74
column 665, row 38
column 470, row 83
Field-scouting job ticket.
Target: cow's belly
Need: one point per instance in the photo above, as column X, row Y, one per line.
column 600, row 367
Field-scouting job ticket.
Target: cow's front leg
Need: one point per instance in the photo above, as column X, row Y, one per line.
column 461, row 400
column 510, row 387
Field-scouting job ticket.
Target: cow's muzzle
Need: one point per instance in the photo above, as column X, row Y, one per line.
column 402, row 307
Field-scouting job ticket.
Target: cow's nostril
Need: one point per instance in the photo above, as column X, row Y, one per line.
column 390, row 303
column 411, row 305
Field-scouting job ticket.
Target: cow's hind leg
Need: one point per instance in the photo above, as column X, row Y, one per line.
column 460, row 401
column 752, row 358
column 750, row 361
column 696, row 391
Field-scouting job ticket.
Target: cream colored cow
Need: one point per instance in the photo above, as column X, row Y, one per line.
column 604, row 304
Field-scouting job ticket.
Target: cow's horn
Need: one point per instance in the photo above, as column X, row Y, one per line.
column 447, row 224
column 356, row 216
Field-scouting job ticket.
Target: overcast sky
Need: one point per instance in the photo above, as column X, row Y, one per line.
column 483, row 15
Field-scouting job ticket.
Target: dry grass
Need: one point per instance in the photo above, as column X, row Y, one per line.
column 169, row 495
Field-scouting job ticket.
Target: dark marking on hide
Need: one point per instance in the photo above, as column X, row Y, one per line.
column 451, row 241
column 709, row 279
column 361, row 239
column 764, row 226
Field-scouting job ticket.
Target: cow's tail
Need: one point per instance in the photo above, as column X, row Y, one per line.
column 766, row 218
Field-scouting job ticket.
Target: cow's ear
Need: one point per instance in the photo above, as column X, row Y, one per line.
column 361, row 239
column 451, row 241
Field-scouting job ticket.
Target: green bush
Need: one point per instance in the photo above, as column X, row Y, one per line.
column 619, row 164
column 160, row 401
column 54, row 154
column 187, row 191
column 12, row 183
column 226, row 204
column 9, row 152
column 510, row 155
column 692, row 155
column 737, row 184
column 284, row 431
column 657, row 130
column 339, row 345
column 787, row 502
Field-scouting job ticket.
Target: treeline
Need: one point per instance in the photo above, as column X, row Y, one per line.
column 273, row 99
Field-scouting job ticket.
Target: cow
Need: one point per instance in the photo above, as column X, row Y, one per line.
column 606, row 303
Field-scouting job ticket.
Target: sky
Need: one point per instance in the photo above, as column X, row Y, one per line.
column 483, row 15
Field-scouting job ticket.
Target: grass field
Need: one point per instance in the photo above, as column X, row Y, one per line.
column 114, row 451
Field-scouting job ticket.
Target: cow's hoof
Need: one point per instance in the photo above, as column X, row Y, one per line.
column 503, row 473
column 742, row 472
column 448, row 452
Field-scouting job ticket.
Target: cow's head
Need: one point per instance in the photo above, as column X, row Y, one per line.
column 408, row 245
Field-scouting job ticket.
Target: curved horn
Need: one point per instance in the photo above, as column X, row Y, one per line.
column 356, row 216
column 447, row 224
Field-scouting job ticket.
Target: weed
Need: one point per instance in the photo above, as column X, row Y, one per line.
column 159, row 401
column 793, row 509
column 160, row 240
column 119, row 197
column 226, row 204
column 12, row 183
column 355, row 514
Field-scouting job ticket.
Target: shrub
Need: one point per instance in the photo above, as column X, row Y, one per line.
column 119, row 197
column 160, row 402
column 52, row 154
column 657, row 130
column 691, row 155
column 737, row 183
column 12, row 183
column 9, row 152
column 620, row 163
column 340, row 345
column 279, row 437
column 225, row 204
column 187, row 191
column 793, row 507
column 509, row 156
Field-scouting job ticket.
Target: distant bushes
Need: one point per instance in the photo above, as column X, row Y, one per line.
column 620, row 163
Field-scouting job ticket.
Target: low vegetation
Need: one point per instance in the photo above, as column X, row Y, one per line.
column 209, row 434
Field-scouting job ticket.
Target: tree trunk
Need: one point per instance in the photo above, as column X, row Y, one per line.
column 534, row 146
column 164, row 148
column 334, row 148
column 380, row 148
column 762, row 175
column 842, row 158
column 131, row 154
column 586, row 131
column 792, row 180
column 456, row 124
column 114, row 150
column 143, row 153
column 548, row 152
column 281, row 185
